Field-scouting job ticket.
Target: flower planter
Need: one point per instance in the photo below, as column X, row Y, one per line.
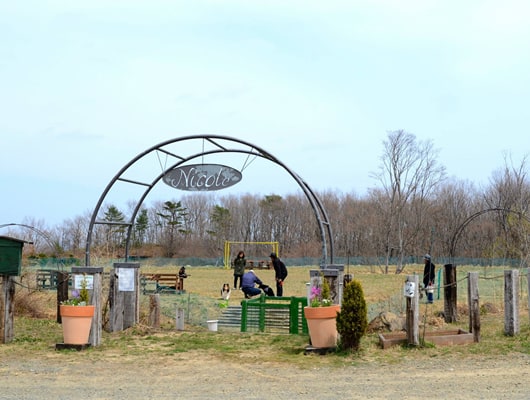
column 439, row 338
column 76, row 321
column 321, row 322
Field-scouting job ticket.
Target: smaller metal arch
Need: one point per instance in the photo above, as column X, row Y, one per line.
column 47, row 238
column 469, row 219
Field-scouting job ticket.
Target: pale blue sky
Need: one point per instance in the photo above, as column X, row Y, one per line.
column 85, row 86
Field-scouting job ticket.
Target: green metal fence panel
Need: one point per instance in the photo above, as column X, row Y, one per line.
column 274, row 314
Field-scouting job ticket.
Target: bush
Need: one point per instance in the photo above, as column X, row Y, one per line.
column 352, row 320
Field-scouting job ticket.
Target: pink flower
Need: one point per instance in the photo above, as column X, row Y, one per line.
column 315, row 292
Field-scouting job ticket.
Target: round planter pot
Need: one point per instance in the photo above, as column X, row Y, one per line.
column 76, row 321
column 321, row 322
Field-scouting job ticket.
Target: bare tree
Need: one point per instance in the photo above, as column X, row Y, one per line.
column 408, row 173
column 510, row 193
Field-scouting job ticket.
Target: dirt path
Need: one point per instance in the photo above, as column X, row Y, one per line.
column 198, row 376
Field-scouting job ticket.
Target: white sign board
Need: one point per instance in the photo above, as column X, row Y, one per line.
column 126, row 279
column 409, row 289
column 78, row 281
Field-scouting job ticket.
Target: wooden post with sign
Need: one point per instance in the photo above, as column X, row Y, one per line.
column 94, row 277
column 124, row 296
column 413, row 311
column 334, row 274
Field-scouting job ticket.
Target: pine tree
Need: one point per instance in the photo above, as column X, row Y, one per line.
column 352, row 320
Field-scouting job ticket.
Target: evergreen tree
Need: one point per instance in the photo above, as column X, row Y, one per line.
column 352, row 320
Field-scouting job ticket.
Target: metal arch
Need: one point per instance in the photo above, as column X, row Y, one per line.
column 39, row 232
column 466, row 222
column 317, row 206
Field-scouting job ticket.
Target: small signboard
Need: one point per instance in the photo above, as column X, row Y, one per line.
column 78, row 281
column 126, row 279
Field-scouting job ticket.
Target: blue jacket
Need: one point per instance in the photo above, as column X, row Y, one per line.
column 249, row 279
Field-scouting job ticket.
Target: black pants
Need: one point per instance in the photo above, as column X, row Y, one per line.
column 236, row 277
column 279, row 288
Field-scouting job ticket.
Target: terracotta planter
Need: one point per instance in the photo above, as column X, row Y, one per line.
column 321, row 322
column 76, row 321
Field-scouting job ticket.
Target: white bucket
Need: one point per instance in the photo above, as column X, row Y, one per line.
column 212, row 325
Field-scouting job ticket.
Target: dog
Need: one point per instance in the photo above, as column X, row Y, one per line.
column 267, row 290
column 225, row 291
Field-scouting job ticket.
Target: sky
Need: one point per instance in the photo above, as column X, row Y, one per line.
column 86, row 86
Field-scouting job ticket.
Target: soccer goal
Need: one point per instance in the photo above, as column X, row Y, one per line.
column 254, row 251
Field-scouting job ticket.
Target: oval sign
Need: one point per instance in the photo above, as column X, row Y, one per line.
column 202, row 177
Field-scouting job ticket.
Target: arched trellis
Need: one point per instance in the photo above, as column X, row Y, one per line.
column 219, row 144
column 466, row 222
column 49, row 240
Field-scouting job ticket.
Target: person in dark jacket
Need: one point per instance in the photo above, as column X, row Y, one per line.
column 239, row 268
column 428, row 277
column 280, row 273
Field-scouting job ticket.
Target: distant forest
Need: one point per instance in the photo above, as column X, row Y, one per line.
column 414, row 209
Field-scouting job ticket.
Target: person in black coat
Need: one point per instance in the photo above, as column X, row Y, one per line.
column 428, row 277
column 280, row 273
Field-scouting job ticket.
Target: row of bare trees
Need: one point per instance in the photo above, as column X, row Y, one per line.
column 415, row 209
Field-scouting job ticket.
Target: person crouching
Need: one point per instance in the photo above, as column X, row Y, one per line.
column 248, row 284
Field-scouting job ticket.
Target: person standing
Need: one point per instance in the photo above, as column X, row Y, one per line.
column 280, row 273
column 248, row 285
column 239, row 268
column 428, row 277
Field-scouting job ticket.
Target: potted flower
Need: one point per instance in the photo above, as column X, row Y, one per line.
column 321, row 314
column 76, row 316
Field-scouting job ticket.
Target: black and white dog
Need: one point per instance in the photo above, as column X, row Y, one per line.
column 225, row 291
column 267, row 290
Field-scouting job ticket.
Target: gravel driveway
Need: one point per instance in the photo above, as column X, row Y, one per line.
column 200, row 376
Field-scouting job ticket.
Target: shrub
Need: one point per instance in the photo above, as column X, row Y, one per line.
column 352, row 320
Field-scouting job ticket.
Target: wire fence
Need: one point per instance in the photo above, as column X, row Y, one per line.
column 491, row 291
column 197, row 309
column 377, row 261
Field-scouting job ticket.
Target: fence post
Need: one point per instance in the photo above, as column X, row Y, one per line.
column 528, row 291
column 293, row 316
column 262, row 310
column 244, row 315
column 96, row 289
column 7, row 308
column 450, row 293
column 154, row 310
column 511, row 302
column 180, row 319
column 124, row 296
column 473, row 304
column 413, row 313
column 62, row 291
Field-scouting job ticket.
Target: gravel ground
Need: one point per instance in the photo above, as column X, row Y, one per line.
column 198, row 376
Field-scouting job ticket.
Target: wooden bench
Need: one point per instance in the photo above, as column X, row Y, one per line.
column 163, row 283
column 47, row 278
column 251, row 264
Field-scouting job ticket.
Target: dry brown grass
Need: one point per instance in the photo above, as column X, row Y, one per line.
column 36, row 329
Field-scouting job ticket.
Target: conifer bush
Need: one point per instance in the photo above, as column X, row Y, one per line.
column 352, row 320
